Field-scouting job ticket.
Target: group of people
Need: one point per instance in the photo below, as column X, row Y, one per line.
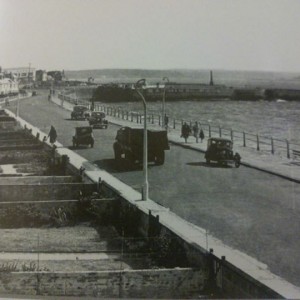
column 186, row 131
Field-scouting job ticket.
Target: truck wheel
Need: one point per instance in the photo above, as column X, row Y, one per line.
column 118, row 154
column 160, row 158
column 237, row 163
column 129, row 156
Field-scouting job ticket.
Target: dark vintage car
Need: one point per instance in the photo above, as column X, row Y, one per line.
column 97, row 120
column 80, row 112
column 220, row 150
column 83, row 136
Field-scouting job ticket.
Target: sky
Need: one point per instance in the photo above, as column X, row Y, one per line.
column 261, row 35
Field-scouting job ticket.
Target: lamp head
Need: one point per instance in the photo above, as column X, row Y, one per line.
column 140, row 83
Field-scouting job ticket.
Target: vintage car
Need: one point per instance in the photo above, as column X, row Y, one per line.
column 220, row 150
column 83, row 136
column 80, row 112
column 97, row 120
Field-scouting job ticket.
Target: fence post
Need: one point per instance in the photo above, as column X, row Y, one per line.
column 220, row 131
column 131, row 117
column 174, row 124
column 159, row 120
column 257, row 140
column 152, row 119
column 288, row 148
column 244, row 139
column 127, row 115
column 137, row 118
column 272, row 145
column 231, row 134
column 209, row 130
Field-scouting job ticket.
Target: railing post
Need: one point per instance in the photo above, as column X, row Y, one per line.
column 131, row 117
column 137, row 118
column 288, row 149
column 257, row 141
column 152, row 119
column 220, row 131
column 159, row 120
column 174, row 124
column 127, row 116
column 272, row 145
column 231, row 134
column 209, row 130
column 244, row 139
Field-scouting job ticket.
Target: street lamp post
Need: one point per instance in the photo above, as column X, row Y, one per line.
column 138, row 85
column 163, row 104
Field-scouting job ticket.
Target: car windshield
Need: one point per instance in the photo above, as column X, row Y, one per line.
column 83, row 130
column 98, row 114
column 221, row 143
column 79, row 108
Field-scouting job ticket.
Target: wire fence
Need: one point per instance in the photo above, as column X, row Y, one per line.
column 258, row 142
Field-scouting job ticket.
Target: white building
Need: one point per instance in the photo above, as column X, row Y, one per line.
column 23, row 74
column 8, row 86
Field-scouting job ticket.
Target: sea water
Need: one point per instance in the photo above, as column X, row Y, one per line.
column 277, row 119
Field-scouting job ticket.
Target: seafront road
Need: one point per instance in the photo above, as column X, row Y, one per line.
column 253, row 211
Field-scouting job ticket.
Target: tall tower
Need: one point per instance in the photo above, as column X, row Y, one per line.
column 211, row 82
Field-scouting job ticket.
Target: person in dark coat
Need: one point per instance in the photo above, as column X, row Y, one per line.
column 185, row 131
column 201, row 135
column 52, row 135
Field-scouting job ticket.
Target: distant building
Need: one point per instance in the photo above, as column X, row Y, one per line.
column 41, row 75
column 8, row 87
column 22, row 74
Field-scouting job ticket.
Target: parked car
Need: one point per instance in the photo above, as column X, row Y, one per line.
column 80, row 112
column 220, row 150
column 97, row 120
column 83, row 136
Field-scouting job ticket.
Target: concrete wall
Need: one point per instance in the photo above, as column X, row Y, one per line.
column 38, row 192
column 163, row 283
column 37, row 180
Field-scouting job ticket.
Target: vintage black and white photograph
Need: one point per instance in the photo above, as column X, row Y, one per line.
column 149, row 149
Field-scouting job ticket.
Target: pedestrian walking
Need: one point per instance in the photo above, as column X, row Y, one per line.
column 52, row 135
column 201, row 135
column 196, row 131
column 166, row 121
column 185, row 131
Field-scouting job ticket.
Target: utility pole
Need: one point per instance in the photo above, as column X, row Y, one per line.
column 163, row 104
column 139, row 84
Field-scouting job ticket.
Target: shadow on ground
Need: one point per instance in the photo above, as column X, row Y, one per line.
column 79, row 147
column 123, row 165
column 206, row 165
